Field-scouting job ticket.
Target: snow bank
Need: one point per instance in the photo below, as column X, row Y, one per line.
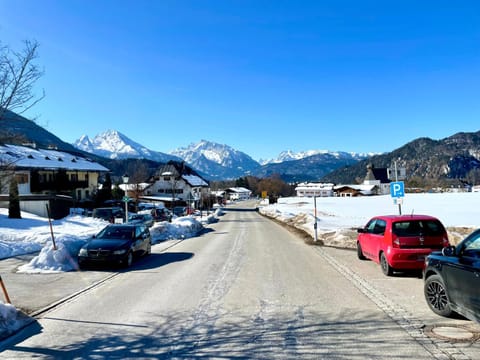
column 339, row 217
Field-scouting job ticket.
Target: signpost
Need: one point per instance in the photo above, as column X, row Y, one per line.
column 126, row 199
column 397, row 191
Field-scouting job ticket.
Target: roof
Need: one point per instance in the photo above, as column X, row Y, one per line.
column 176, row 169
column 27, row 158
column 194, row 180
column 239, row 190
column 406, row 217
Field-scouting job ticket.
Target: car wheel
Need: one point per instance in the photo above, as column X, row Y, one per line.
column 386, row 268
column 437, row 296
column 128, row 260
column 360, row 252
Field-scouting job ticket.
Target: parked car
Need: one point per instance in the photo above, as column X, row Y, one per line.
column 161, row 214
column 400, row 242
column 116, row 243
column 452, row 279
column 145, row 219
column 108, row 213
column 180, row 210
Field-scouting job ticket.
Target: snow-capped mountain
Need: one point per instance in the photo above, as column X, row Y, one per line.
column 290, row 155
column 217, row 160
column 114, row 145
column 221, row 162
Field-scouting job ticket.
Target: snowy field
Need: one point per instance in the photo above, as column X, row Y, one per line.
column 338, row 217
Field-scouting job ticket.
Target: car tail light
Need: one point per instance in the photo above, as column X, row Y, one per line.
column 445, row 242
column 395, row 242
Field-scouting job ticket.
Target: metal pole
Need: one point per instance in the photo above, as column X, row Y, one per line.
column 396, row 179
column 315, row 215
column 126, row 209
column 51, row 228
column 5, row 293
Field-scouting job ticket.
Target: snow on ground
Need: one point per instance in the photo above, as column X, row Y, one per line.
column 32, row 234
column 337, row 220
column 338, row 217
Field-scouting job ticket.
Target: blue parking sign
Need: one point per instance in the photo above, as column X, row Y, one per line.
column 397, row 189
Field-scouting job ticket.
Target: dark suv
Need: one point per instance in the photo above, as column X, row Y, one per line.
column 108, row 213
column 452, row 279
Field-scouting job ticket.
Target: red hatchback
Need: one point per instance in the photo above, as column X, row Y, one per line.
column 400, row 242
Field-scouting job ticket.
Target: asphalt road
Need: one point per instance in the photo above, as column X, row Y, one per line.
column 246, row 288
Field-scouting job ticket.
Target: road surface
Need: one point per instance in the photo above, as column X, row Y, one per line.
column 246, row 288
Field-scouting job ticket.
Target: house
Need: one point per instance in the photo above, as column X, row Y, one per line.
column 355, row 190
column 177, row 184
column 376, row 182
column 45, row 175
column 238, row 193
column 378, row 177
column 314, row 189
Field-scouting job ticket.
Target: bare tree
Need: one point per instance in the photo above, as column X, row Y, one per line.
column 18, row 75
column 138, row 173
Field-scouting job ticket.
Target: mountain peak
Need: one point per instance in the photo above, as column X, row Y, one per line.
column 113, row 144
column 218, row 160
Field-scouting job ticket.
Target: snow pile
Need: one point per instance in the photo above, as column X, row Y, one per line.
column 180, row 228
column 52, row 260
column 11, row 320
column 339, row 217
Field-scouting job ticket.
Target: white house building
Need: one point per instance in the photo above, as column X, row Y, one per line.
column 177, row 183
column 238, row 193
column 314, row 189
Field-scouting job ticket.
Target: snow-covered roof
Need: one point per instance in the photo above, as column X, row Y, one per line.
column 194, row 180
column 26, row 157
column 359, row 187
column 314, row 186
column 239, row 190
column 134, row 187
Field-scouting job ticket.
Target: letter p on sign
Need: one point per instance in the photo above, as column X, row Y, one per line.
column 397, row 189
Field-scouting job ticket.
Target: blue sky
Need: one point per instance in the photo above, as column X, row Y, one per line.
column 260, row 76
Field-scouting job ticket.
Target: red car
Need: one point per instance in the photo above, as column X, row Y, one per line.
column 400, row 242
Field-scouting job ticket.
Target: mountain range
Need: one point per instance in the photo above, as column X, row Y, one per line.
column 427, row 162
column 219, row 161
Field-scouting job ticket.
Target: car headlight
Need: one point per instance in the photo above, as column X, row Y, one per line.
column 83, row 252
column 119, row 252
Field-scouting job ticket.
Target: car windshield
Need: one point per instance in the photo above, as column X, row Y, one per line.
column 418, row 227
column 103, row 212
column 471, row 245
column 116, row 232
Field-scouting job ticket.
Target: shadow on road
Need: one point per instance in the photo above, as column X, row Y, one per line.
column 156, row 260
column 238, row 336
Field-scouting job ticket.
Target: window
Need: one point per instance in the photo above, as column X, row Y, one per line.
column 21, row 178
column 166, row 178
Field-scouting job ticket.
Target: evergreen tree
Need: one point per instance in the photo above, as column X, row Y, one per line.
column 14, row 201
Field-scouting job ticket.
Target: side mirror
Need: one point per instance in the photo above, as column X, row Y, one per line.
column 361, row 230
column 448, row 251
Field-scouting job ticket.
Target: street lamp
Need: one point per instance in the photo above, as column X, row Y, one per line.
column 125, row 198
